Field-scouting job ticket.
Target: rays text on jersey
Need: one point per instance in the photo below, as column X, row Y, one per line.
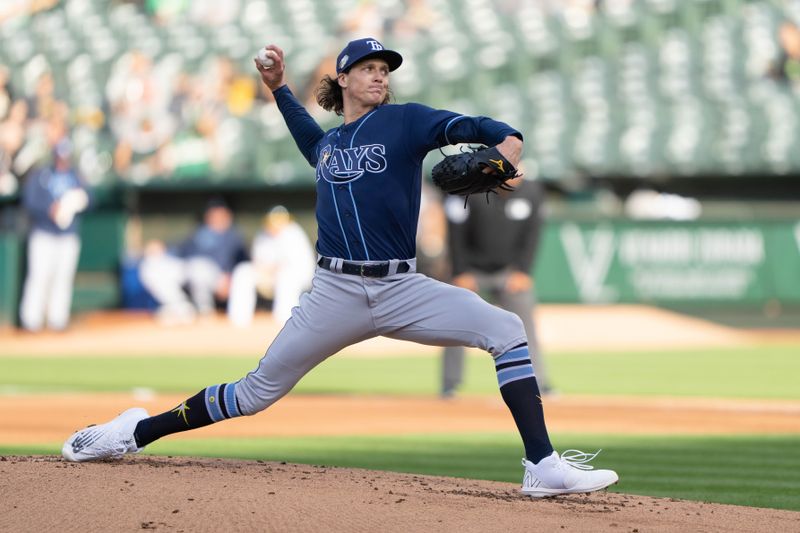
column 339, row 165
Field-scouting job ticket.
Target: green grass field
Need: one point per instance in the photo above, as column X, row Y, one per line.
column 745, row 470
column 768, row 372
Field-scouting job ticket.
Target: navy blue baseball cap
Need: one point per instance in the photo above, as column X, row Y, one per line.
column 366, row 48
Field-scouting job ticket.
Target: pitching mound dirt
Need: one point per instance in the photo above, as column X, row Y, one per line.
column 170, row 494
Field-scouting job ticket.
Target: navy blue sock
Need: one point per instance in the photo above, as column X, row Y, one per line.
column 521, row 393
column 210, row 405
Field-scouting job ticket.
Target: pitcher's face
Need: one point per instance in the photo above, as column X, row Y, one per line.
column 366, row 83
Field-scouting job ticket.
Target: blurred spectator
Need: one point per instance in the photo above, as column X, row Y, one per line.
column 10, row 9
column 44, row 119
column 43, row 104
column 54, row 196
column 283, row 264
column 166, row 11
column 283, row 261
column 214, row 12
column 233, row 88
column 179, row 99
column 365, row 19
column 6, row 94
column 192, row 150
column 493, row 247
column 204, row 263
column 42, row 133
column 140, row 120
column 12, row 137
column 416, row 17
column 786, row 67
column 308, row 95
column 206, row 110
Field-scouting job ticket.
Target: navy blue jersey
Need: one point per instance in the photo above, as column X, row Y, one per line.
column 225, row 248
column 44, row 187
column 369, row 172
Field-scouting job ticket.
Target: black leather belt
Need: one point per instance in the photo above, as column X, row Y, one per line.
column 367, row 270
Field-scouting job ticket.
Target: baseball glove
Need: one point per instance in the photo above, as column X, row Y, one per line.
column 466, row 173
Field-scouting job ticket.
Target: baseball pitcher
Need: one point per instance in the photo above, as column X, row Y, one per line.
column 368, row 180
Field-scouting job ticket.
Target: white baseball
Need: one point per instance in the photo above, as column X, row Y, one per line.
column 263, row 59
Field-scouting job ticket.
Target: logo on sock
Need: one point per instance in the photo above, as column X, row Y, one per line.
column 181, row 411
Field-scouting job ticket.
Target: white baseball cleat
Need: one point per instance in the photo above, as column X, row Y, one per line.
column 566, row 474
column 106, row 441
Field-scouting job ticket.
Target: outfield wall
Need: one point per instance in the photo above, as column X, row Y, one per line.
column 10, row 277
column 723, row 262
column 616, row 261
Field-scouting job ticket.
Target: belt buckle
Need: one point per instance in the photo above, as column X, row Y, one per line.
column 361, row 270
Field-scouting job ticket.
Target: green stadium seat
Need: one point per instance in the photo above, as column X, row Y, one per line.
column 409, row 82
column 548, row 136
column 538, row 33
column 596, row 90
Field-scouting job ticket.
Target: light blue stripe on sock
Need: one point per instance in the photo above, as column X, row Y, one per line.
column 212, row 403
column 514, row 355
column 230, row 400
column 507, row 375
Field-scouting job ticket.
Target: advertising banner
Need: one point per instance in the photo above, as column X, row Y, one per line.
column 669, row 262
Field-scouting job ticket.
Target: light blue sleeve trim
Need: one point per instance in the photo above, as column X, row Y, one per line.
column 447, row 127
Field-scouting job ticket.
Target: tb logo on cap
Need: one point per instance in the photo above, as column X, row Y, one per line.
column 375, row 45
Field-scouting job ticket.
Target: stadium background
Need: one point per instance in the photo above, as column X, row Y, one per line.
column 636, row 113
column 665, row 132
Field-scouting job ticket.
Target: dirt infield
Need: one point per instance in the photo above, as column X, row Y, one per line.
column 50, row 418
column 561, row 328
column 171, row 494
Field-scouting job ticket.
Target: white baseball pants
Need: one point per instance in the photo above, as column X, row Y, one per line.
column 343, row 309
column 164, row 276
column 47, row 293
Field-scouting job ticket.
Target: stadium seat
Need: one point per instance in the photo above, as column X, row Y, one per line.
column 629, row 88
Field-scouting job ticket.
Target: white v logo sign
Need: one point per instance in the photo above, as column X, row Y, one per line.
column 590, row 260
